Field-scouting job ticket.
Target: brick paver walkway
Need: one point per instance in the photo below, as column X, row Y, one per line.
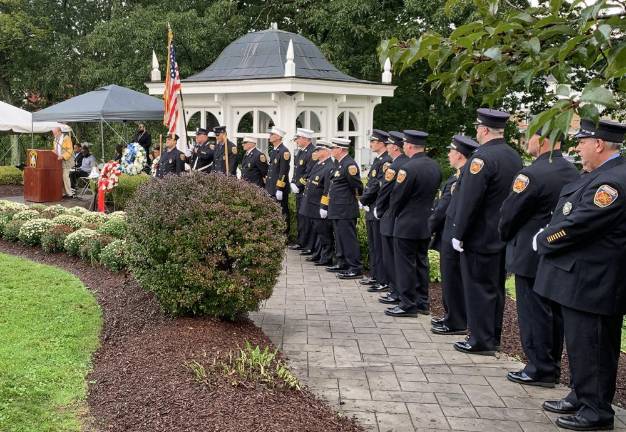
column 393, row 374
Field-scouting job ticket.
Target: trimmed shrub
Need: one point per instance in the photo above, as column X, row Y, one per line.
column 115, row 227
column 215, row 248
column 69, row 220
column 53, row 240
column 434, row 270
column 75, row 240
column 12, row 230
column 39, row 207
column 11, row 205
column 91, row 248
column 4, row 220
column 10, row 175
column 76, row 211
column 53, row 211
column 118, row 215
column 95, row 218
column 125, row 190
column 31, row 232
column 25, row 215
column 114, row 256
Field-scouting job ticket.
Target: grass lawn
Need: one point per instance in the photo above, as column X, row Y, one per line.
column 49, row 326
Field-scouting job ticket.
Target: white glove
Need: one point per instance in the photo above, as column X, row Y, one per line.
column 323, row 213
column 294, row 188
column 360, row 205
column 535, row 240
column 279, row 195
column 366, row 208
column 457, row 245
column 376, row 213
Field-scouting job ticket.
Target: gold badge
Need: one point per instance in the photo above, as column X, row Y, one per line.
column 262, row 157
column 452, row 188
column 521, row 183
column 182, row 156
column 385, row 166
column 234, row 149
column 373, row 173
column 389, row 174
column 401, row 176
column 314, row 156
column 605, row 196
column 353, row 170
column 275, row 160
column 567, row 208
column 477, row 165
column 337, row 173
column 301, row 161
column 317, row 178
column 249, row 165
column 287, row 156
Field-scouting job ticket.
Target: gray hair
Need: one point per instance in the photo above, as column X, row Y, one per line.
column 612, row 145
column 495, row 131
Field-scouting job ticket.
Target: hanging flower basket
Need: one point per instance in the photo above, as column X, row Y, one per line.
column 109, row 178
column 133, row 159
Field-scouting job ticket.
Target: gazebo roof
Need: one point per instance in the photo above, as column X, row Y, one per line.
column 262, row 55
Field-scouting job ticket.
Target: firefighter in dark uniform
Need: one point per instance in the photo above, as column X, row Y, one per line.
column 411, row 203
column 378, row 143
column 381, row 212
column 172, row 160
column 583, row 268
column 278, row 172
column 486, row 184
column 203, row 152
column 219, row 161
column 303, row 163
column 315, row 204
column 528, row 208
column 254, row 163
column 454, row 321
column 343, row 211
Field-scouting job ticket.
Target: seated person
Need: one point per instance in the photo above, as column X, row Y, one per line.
column 78, row 157
column 119, row 150
column 87, row 163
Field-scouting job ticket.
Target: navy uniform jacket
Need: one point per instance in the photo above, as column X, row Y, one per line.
column 278, row 172
column 219, row 162
column 315, row 193
column 303, row 164
column 171, row 162
column 254, row 167
column 486, row 183
column 528, row 208
column 413, row 196
column 437, row 220
column 202, row 156
column 374, row 182
column 583, row 250
column 345, row 186
column 384, row 195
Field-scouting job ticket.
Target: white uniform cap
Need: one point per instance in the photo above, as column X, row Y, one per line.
column 277, row 131
column 341, row 142
column 248, row 139
column 323, row 144
column 304, row 133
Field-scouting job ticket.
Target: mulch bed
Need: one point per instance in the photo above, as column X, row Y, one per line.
column 140, row 379
column 512, row 345
column 11, row 190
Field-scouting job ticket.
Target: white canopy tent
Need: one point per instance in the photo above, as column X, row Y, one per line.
column 21, row 121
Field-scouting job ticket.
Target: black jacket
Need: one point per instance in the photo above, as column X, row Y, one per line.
column 278, row 172
column 345, row 187
column 437, row 219
column 384, row 195
column 303, row 164
column 201, row 157
column 219, row 161
column 171, row 162
column 374, row 182
column 315, row 196
column 254, row 167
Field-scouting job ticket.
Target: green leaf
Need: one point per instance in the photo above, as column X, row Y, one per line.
column 524, row 17
column 563, row 90
column 561, row 123
column 534, row 45
column 569, row 46
column 548, row 21
column 617, row 62
column 590, row 112
column 597, row 94
column 466, row 29
column 555, row 5
column 539, row 120
column 605, row 30
column 494, row 53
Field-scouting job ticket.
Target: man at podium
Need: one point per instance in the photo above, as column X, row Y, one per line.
column 63, row 149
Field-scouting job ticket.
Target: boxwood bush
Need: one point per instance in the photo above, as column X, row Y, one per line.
column 10, row 175
column 69, row 220
column 125, row 190
column 31, row 232
column 12, row 230
column 52, row 211
column 205, row 244
column 91, row 248
column 75, row 240
column 115, row 227
column 25, row 215
column 53, row 240
column 114, row 256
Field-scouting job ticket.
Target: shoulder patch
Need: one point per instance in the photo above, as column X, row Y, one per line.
column 301, row 161
column 386, row 165
column 353, row 170
column 263, row 158
column 212, row 146
column 373, row 173
column 520, row 183
column 389, row 174
column 605, row 196
column 337, row 173
column 234, row 149
column 314, row 156
column 477, row 165
column 182, row 156
column 287, row 156
column 401, row 176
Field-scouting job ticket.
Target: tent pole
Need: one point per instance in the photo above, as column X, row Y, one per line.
column 102, row 138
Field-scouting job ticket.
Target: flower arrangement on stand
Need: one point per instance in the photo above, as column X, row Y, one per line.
column 155, row 166
column 133, row 159
column 109, row 178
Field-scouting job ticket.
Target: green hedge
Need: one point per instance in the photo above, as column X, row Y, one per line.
column 126, row 188
column 10, row 175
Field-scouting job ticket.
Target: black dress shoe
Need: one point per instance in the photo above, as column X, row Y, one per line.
column 561, row 406
column 323, row 264
column 335, row 269
column 368, row 281
column 521, row 377
column 579, row 423
column 378, row 288
column 388, row 300
column 437, row 320
column 312, row 258
column 399, row 312
column 465, row 347
column 294, row 247
column 443, row 329
column 423, row 311
column 350, row 275
column 306, row 252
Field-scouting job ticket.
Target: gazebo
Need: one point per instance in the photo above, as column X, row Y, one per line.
column 274, row 77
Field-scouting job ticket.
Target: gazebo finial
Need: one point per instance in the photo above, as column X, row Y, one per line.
column 274, row 26
column 155, row 74
column 387, row 72
column 290, row 66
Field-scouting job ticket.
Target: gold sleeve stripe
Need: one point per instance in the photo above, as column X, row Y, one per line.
column 325, row 200
column 302, row 180
column 280, row 183
column 556, row 236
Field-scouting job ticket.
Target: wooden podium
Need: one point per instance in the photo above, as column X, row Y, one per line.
column 43, row 176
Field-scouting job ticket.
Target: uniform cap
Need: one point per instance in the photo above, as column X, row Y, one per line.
column 396, row 138
column 463, row 144
column 606, row 130
column 491, row 118
column 219, row 129
column 379, row 135
column 340, row 142
column 415, row 137
column 304, row 133
column 248, row 139
column 277, row 131
column 322, row 144
column 201, row 131
column 211, row 134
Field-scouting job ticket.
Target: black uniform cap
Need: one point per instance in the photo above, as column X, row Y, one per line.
column 463, row 144
column 606, row 130
column 492, row 118
column 202, row 131
column 396, row 138
column 379, row 135
column 415, row 137
column 219, row 129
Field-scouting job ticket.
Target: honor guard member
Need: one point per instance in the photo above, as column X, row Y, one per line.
column 219, row 161
column 303, row 162
column 527, row 209
column 203, row 152
column 278, row 172
column 455, row 320
column 582, row 267
column 172, row 160
column 381, row 212
column 411, row 203
column 343, row 210
column 378, row 143
column 254, row 163
column 315, row 204
column 487, row 182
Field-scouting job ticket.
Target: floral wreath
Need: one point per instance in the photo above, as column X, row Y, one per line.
column 109, row 178
column 133, row 159
column 155, row 166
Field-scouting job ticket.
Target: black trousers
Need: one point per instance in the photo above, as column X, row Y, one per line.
column 284, row 206
column 452, row 287
column 388, row 266
column 324, row 232
column 593, row 348
column 75, row 175
column 411, row 268
column 541, row 331
column 374, row 245
column 304, row 227
column 347, row 245
column 483, row 285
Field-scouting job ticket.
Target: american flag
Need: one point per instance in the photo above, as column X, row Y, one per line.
column 172, row 86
